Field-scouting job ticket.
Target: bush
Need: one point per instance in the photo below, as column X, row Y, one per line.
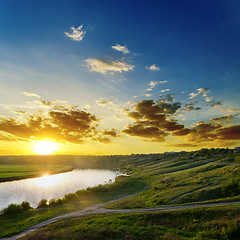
column 70, row 197
column 42, row 203
column 54, row 202
column 16, row 208
column 232, row 189
column 12, row 209
column 25, row 206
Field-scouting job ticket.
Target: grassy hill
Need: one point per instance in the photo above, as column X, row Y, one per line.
column 207, row 175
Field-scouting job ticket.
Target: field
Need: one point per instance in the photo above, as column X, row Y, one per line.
column 9, row 172
column 199, row 223
column 161, row 179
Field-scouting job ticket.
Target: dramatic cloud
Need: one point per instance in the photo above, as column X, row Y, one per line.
column 120, row 48
column 77, row 33
column 31, row 94
column 153, row 68
column 101, row 66
column 210, row 132
column 61, row 124
column 152, row 119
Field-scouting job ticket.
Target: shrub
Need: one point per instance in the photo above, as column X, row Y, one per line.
column 55, row 202
column 25, row 206
column 42, row 203
column 12, row 209
column 70, row 197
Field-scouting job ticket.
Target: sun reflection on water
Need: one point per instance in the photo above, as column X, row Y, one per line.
column 48, row 180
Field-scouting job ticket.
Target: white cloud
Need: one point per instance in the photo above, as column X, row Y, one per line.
column 208, row 99
column 147, row 95
column 101, row 66
column 153, row 68
column 200, row 91
column 31, row 94
column 120, row 48
column 162, row 81
column 77, row 33
column 152, row 85
column 165, row 90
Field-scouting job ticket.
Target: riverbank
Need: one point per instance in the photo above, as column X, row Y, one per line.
column 13, row 172
column 123, row 186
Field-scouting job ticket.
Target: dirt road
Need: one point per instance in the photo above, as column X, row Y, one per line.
column 98, row 209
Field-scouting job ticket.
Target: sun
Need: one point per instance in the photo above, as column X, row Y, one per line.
column 45, row 147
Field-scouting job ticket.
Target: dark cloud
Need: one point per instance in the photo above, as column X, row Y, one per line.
column 156, row 120
column 61, row 124
column 181, row 132
column 112, row 132
column 189, row 107
column 228, row 117
column 141, row 129
column 210, row 132
column 151, row 119
column 229, row 133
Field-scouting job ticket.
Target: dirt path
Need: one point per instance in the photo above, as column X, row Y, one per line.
column 98, row 209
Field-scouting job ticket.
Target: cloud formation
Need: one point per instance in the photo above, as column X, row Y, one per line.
column 153, row 68
column 153, row 84
column 77, row 34
column 152, row 120
column 61, row 123
column 120, row 48
column 102, row 66
column 200, row 91
column 112, row 132
column 155, row 121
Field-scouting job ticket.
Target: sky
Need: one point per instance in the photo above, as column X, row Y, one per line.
column 119, row 77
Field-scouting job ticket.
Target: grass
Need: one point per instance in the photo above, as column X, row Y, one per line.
column 10, row 172
column 198, row 223
column 181, row 178
column 11, row 225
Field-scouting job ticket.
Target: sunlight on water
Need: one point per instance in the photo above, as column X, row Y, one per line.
column 46, row 180
column 52, row 186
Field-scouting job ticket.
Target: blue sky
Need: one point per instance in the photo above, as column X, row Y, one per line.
column 128, row 52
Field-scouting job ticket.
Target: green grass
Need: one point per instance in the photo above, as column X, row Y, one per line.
column 199, row 223
column 13, row 224
column 9, row 172
column 186, row 177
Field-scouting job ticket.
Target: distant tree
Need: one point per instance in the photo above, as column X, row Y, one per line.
column 42, row 203
column 25, row 206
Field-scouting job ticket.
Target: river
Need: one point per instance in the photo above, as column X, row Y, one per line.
column 55, row 186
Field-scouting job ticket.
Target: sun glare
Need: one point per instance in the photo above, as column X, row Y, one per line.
column 48, row 180
column 45, row 147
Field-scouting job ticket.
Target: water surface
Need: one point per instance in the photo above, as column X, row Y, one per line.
column 53, row 186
